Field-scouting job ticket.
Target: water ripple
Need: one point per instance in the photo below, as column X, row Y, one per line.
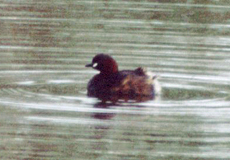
column 44, row 108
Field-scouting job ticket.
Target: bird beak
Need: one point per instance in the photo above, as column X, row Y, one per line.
column 89, row 65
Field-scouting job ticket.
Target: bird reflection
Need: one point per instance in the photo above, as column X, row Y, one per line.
column 103, row 116
column 107, row 103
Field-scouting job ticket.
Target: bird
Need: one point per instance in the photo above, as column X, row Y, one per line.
column 111, row 84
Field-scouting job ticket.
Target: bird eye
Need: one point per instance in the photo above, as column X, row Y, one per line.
column 95, row 65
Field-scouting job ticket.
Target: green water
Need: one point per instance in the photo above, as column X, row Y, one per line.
column 44, row 110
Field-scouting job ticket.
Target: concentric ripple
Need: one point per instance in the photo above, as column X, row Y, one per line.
column 45, row 113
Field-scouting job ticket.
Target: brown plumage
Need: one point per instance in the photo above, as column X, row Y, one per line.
column 111, row 84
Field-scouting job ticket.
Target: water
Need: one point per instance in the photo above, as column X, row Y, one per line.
column 45, row 113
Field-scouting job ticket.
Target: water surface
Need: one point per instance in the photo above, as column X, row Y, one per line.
column 45, row 113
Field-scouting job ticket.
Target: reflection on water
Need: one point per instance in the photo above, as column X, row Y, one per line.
column 46, row 114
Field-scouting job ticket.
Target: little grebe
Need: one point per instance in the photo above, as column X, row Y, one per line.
column 111, row 84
